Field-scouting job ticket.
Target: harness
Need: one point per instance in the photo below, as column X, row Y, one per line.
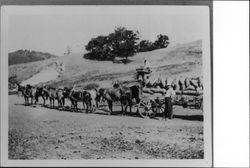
column 110, row 99
column 71, row 97
column 24, row 93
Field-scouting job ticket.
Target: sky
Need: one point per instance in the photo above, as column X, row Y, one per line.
column 53, row 28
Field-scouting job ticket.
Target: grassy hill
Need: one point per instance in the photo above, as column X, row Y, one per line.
column 25, row 56
column 184, row 59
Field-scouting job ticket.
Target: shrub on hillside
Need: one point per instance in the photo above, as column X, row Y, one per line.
column 145, row 45
column 162, row 41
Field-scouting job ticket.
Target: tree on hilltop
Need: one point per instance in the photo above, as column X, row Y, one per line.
column 121, row 43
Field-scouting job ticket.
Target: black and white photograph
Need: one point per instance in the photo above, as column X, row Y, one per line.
column 107, row 85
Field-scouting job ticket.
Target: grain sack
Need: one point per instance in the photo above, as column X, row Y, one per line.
column 187, row 82
column 147, row 90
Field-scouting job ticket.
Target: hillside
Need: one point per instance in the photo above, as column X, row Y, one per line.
column 25, row 56
column 184, row 59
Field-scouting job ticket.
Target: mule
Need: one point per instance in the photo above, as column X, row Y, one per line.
column 122, row 94
column 42, row 92
column 21, row 90
column 60, row 97
column 52, row 96
column 82, row 96
column 29, row 92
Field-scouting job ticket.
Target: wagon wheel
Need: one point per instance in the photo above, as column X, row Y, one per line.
column 158, row 109
column 145, row 110
column 93, row 109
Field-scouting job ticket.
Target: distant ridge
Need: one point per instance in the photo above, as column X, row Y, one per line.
column 25, row 56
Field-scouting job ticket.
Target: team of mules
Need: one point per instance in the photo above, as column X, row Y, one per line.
column 90, row 99
column 31, row 93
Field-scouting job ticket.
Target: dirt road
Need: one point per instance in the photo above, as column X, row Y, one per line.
column 37, row 132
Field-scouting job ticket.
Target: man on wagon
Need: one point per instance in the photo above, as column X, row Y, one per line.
column 169, row 94
column 143, row 71
column 146, row 64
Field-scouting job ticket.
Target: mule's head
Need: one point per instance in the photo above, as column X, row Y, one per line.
column 66, row 92
column 99, row 94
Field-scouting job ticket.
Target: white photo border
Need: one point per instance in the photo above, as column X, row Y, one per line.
column 208, row 97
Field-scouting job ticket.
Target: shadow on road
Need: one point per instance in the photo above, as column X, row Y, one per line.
column 189, row 117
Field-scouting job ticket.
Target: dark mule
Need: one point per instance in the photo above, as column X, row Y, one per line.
column 20, row 89
column 42, row 92
column 135, row 93
column 122, row 94
column 28, row 92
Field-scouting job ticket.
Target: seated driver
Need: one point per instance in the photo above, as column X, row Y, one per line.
column 115, row 85
column 146, row 64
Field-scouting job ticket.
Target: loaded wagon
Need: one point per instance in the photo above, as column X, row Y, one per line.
column 152, row 105
column 150, row 102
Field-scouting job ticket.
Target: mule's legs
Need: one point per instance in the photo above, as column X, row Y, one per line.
column 36, row 100
column 124, row 103
column 83, row 105
column 130, row 106
column 53, row 102
column 76, row 104
column 43, row 100
column 87, row 107
column 122, row 110
column 25, row 100
column 110, row 107
column 59, row 102
column 63, row 102
column 71, row 105
column 50, row 101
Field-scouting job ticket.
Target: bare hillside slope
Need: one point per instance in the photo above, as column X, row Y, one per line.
column 184, row 59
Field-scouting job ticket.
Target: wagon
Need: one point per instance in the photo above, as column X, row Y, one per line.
column 152, row 105
column 149, row 105
column 189, row 99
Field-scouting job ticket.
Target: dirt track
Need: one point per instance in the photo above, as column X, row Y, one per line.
column 37, row 132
